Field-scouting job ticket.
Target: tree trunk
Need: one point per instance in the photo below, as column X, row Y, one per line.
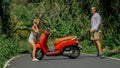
column 5, row 18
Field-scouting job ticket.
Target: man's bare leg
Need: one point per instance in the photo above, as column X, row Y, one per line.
column 98, row 46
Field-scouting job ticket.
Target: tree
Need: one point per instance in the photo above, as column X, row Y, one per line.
column 4, row 7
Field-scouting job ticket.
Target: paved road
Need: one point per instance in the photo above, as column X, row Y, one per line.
column 84, row 61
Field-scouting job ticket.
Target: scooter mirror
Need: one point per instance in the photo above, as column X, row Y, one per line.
column 48, row 29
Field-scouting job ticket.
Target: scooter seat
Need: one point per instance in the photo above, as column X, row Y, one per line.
column 58, row 40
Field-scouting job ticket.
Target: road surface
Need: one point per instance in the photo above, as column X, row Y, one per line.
column 84, row 61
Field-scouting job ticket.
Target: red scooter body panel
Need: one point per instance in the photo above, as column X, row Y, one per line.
column 38, row 45
column 42, row 44
column 64, row 44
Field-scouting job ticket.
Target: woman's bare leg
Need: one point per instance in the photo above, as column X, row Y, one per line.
column 34, row 49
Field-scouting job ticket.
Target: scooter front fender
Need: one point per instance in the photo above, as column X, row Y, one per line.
column 38, row 46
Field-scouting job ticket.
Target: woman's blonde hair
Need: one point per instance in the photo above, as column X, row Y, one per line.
column 36, row 20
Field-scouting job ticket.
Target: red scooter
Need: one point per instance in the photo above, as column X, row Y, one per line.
column 67, row 46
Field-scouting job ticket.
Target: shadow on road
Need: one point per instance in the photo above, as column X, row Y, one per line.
column 66, row 58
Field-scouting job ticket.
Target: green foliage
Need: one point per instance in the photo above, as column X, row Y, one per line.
column 88, row 47
column 70, row 17
column 62, row 18
column 10, row 47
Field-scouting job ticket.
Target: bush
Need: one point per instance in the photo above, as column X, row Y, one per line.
column 7, row 49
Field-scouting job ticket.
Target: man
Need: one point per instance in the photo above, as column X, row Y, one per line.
column 95, row 30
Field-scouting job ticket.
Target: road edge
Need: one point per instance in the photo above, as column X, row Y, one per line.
column 105, row 56
column 8, row 61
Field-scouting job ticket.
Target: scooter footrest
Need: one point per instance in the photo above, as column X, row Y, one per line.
column 51, row 50
column 53, row 53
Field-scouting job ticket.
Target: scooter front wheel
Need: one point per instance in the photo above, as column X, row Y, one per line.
column 39, row 54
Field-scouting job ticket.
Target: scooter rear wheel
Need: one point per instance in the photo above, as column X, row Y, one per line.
column 39, row 54
column 76, row 52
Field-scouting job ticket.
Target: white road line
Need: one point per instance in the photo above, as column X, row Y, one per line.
column 7, row 63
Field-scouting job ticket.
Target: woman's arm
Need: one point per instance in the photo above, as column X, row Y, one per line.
column 35, row 28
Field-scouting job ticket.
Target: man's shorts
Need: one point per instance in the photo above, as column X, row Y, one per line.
column 96, row 35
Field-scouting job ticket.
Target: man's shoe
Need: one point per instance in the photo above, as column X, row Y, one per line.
column 101, row 56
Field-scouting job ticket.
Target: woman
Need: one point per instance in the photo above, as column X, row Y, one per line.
column 33, row 38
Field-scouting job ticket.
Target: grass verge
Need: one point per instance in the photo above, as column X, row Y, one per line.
column 89, row 48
